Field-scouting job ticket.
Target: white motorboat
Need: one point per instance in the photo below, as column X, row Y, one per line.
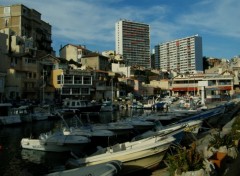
column 56, row 142
column 7, row 115
column 110, row 168
column 143, row 154
column 79, row 106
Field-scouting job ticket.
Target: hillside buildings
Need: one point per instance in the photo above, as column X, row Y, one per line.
column 183, row 55
column 132, row 41
column 30, row 70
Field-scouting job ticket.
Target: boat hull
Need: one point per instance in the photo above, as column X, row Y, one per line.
column 133, row 162
column 58, row 144
column 138, row 155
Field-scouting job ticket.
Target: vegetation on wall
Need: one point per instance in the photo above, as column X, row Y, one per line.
column 184, row 160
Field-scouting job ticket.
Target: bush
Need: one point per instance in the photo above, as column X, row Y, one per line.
column 184, row 160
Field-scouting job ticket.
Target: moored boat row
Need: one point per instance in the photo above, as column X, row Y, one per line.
column 138, row 151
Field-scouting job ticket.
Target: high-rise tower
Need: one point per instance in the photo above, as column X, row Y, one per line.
column 182, row 55
column 133, row 42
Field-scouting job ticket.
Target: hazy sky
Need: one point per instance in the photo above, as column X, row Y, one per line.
column 92, row 22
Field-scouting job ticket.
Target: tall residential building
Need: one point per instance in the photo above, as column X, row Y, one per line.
column 181, row 55
column 132, row 41
column 27, row 22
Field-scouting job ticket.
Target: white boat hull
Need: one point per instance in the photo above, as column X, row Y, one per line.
column 136, row 155
column 56, row 142
column 36, row 144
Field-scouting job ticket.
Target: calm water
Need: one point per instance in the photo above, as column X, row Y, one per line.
column 17, row 161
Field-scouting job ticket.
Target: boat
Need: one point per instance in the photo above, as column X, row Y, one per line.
column 155, row 104
column 55, row 142
column 204, row 115
column 135, row 155
column 175, row 130
column 107, row 106
column 164, row 119
column 41, row 112
column 79, row 106
column 7, row 115
column 149, row 104
column 83, row 130
column 159, row 105
column 110, row 168
column 136, row 105
column 24, row 112
column 139, row 124
column 118, row 128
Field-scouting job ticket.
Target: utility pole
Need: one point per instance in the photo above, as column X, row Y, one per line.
column 43, row 94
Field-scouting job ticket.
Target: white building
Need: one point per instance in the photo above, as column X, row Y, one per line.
column 183, row 55
column 132, row 40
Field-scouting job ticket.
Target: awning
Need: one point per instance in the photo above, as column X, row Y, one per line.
column 220, row 88
column 225, row 88
column 185, row 89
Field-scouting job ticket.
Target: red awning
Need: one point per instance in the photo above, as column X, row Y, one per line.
column 186, row 89
column 225, row 88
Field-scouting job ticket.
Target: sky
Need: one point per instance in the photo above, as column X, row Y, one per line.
column 92, row 22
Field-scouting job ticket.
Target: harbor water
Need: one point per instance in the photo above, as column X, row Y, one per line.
column 17, row 161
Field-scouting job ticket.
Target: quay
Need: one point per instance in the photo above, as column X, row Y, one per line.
column 231, row 166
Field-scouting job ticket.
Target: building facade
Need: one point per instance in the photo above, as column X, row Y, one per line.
column 74, row 52
column 27, row 22
column 219, row 85
column 183, row 55
column 132, row 41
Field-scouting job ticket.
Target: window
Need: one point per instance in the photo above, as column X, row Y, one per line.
column 87, row 80
column 85, row 91
column 77, row 79
column 7, row 10
column 68, row 79
column 59, row 79
column 75, row 91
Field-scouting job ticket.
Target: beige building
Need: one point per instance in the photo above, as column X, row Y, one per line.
column 24, row 39
column 74, row 52
column 96, row 61
column 27, row 22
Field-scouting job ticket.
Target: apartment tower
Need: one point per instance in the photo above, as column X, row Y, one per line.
column 133, row 42
column 182, row 55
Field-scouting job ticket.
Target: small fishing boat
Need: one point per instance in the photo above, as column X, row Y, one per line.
column 135, row 155
column 56, row 142
column 7, row 115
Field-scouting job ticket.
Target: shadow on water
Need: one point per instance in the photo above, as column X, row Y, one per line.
column 16, row 161
column 11, row 162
